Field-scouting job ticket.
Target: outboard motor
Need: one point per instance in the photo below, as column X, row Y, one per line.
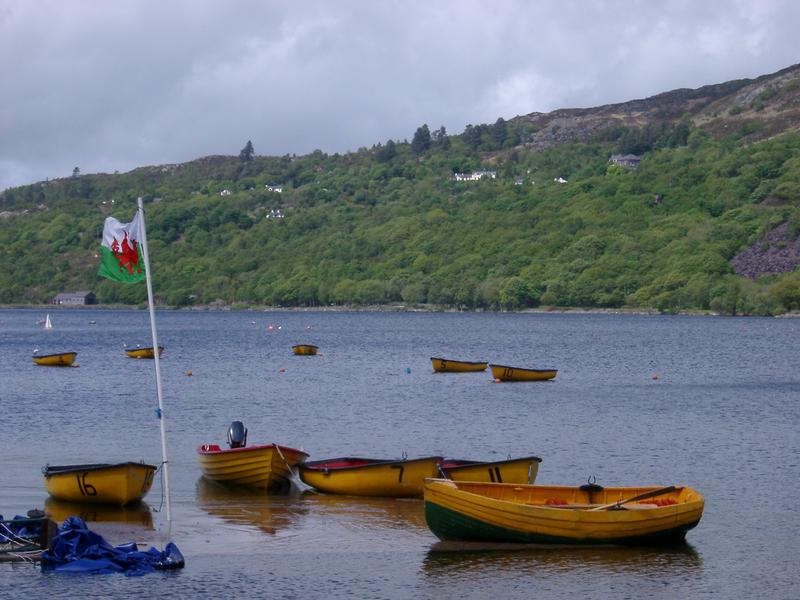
column 237, row 435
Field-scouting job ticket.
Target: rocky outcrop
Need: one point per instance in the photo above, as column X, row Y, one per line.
column 775, row 253
column 752, row 108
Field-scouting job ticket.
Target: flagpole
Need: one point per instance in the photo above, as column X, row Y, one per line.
column 160, row 411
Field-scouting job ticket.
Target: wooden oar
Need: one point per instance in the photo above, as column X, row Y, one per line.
column 650, row 494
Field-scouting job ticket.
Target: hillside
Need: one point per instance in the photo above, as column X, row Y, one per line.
column 705, row 218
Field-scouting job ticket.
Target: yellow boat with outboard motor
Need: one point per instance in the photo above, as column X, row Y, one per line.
column 585, row 515
column 265, row 466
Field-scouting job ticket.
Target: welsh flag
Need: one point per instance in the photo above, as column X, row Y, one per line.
column 121, row 253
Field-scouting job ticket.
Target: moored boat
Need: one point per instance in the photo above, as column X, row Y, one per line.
column 354, row 476
column 505, row 373
column 58, row 359
column 100, row 483
column 585, row 515
column 305, row 349
column 265, row 466
column 445, row 365
column 144, row 352
column 512, row 470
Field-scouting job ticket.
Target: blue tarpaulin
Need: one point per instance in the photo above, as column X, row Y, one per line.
column 76, row 549
column 27, row 528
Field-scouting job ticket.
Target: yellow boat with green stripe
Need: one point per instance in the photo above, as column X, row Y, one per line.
column 512, row 470
column 118, row 484
column 370, row 477
column 586, row 515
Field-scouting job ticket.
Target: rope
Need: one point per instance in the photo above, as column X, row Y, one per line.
column 292, row 475
column 161, row 502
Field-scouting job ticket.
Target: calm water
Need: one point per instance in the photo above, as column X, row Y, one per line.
column 706, row 402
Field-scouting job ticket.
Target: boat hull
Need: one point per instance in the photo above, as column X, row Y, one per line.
column 144, row 352
column 370, row 477
column 62, row 359
column 443, row 365
column 513, row 470
column 305, row 350
column 494, row 512
column 505, row 373
column 268, row 466
column 117, row 484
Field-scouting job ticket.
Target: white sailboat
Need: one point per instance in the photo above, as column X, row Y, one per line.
column 47, row 323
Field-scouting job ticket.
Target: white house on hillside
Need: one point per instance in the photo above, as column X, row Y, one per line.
column 475, row 175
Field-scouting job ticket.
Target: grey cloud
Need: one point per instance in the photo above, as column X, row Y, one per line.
column 112, row 86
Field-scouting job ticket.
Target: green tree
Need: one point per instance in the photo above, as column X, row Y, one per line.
column 422, row 140
column 246, row 155
column 387, row 152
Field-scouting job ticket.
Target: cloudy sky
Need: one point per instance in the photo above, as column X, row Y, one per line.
column 111, row 85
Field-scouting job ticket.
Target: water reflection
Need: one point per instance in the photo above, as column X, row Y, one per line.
column 477, row 560
column 369, row 512
column 138, row 514
column 243, row 506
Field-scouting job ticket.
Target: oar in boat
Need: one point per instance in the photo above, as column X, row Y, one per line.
column 650, row 494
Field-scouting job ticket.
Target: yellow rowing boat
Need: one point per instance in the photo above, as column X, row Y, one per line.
column 119, row 484
column 305, row 349
column 59, row 359
column 370, row 477
column 505, row 373
column 512, row 470
column 144, row 352
column 500, row 512
column 445, row 365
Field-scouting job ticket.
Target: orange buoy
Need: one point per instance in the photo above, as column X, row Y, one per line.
column 188, row 373
column 497, row 380
column 655, row 376
column 282, row 370
column 270, row 327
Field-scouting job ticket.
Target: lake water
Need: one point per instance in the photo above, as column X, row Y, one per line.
column 709, row 402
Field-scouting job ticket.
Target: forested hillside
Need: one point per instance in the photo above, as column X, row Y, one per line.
column 708, row 220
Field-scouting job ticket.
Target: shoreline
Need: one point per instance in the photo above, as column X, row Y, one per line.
column 376, row 308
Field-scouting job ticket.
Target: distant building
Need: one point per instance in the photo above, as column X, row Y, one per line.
column 475, row 175
column 225, row 193
column 274, row 188
column 75, row 298
column 628, row 161
column 275, row 214
column 560, row 180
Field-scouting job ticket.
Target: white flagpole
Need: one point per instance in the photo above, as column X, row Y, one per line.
column 164, row 462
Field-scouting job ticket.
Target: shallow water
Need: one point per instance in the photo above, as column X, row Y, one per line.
column 700, row 401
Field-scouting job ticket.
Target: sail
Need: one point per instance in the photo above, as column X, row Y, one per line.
column 47, row 323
